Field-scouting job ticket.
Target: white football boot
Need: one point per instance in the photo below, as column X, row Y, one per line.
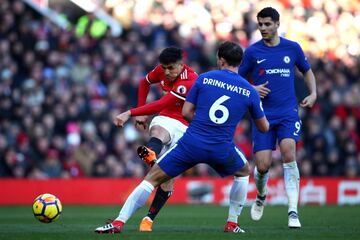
column 294, row 221
column 257, row 208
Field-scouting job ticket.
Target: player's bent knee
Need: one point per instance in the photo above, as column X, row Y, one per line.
column 263, row 167
column 160, row 133
column 263, row 161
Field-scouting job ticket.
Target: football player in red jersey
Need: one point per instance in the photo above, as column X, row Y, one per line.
column 175, row 79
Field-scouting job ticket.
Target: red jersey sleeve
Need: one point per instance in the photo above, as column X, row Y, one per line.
column 144, row 86
column 155, row 75
column 155, row 107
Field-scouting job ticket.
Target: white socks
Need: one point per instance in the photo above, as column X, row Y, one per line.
column 136, row 200
column 238, row 194
column 292, row 180
column 261, row 182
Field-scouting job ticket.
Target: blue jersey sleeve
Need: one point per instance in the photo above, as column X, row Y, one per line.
column 246, row 64
column 193, row 93
column 256, row 110
column 301, row 61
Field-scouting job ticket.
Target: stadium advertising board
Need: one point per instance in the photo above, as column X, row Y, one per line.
column 319, row 191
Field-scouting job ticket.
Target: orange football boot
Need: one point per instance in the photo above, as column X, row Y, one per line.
column 146, row 225
column 147, row 155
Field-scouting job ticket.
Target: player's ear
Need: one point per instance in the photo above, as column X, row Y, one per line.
column 222, row 62
column 180, row 65
column 277, row 23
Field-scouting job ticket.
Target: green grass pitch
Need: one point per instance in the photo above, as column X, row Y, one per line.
column 185, row 222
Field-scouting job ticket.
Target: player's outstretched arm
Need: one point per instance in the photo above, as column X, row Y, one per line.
column 262, row 124
column 188, row 111
column 156, row 106
column 148, row 109
column 310, row 81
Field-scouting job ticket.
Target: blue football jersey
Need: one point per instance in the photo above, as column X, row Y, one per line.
column 221, row 97
column 277, row 66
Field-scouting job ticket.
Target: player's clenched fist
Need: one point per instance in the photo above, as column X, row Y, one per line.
column 141, row 122
column 122, row 118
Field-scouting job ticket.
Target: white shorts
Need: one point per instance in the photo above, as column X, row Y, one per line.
column 175, row 128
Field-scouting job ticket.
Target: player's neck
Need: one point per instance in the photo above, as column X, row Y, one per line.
column 230, row 68
column 273, row 41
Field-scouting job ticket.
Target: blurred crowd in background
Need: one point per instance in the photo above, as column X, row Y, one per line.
column 61, row 88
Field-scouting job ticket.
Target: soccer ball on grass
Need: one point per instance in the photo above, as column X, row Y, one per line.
column 47, row 208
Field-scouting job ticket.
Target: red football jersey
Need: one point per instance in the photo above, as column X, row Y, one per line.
column 178, row 88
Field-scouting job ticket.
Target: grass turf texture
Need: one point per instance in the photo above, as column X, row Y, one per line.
column 183, row 222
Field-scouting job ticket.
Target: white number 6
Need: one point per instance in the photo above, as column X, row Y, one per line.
column 218, row 107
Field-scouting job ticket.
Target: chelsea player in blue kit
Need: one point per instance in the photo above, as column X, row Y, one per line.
column 271, row 63
column 217, row 101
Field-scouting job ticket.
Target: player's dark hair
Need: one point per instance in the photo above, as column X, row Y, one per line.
column 231, row 52
column 170, row 55
column 269, row 12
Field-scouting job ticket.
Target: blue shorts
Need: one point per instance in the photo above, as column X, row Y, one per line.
column 182, row 157
column 280, row 128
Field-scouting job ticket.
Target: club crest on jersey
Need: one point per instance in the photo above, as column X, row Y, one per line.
column 261, row 71
column 286, row 59
column 181, row 89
